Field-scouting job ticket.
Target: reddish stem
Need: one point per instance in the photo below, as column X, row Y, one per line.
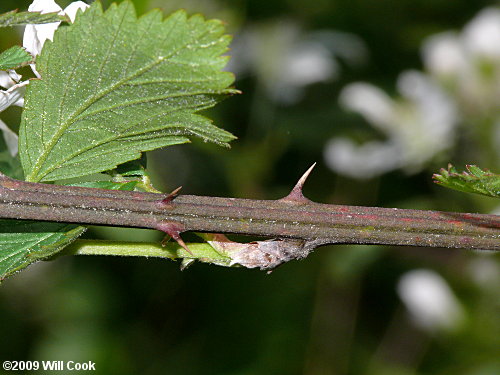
column 291, row 217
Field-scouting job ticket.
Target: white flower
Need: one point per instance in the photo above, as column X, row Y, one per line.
column 430, row 300
column 36, row 35
column 286, row 60
column 460, row 85
column 11, row 81
column 469, row 63
column 481, row 36
column 444, row 55
column 307, row 63
column 12, row 96
column 10, row 138
column 33, row 40
column 362, row 161
column 418, row 125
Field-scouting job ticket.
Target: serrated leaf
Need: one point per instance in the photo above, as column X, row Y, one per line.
column 114, row 86
column 475, row 180
column 25, row 242
column 15, row 18
column 14, row 57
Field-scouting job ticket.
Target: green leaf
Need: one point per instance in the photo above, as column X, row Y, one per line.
column 134, row 170
column 10, row 165
column 114, row 86
column 131, row 169
column 110, row 185
column 25, row 242
column 14, row 57
column 13, row 18
column 475, row 180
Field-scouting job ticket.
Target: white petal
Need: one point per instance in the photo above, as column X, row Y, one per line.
column 12, row 95
column 308, row 63
column 371, row 102
column 436, row 106
column 5, row 80
column 72, row 9
column 444, row 54
column 36, row 35
column 44, row 6
column 19, row 103
column 9, row 78
column 430, row 300
column 305, row 63
column 365, row 161
column 482, row 35
column 425, row 121
column 11, row 138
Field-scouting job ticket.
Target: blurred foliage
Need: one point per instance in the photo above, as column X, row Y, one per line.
column 337, row 312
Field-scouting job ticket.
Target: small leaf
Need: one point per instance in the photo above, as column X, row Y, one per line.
column 25, row 242
column 114, row 86
column 475, row 180
column 134, row 168
column 14, row 57
column 15, row 18
column 128, row 186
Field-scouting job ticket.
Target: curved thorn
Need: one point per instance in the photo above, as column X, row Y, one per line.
column 296, row 195
column 181, row 242
column 165, row 201
column 174, row 230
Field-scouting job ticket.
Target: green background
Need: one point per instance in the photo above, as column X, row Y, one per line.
column 336, row 312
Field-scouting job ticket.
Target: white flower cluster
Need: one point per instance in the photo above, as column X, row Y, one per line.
column 462, row 80
column 286, row 59
column 468, row 63
column 33, row 40
column 418, row 125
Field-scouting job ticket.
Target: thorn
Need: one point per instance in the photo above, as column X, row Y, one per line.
column 296, row 195
column 165, row 201
column 174, row 230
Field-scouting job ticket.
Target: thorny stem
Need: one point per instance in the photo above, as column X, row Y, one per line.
column 295, row 217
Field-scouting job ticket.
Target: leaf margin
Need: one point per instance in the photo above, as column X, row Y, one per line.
column 16, row 18
column 473, row 180
column 33, row 170
column 11, row 61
